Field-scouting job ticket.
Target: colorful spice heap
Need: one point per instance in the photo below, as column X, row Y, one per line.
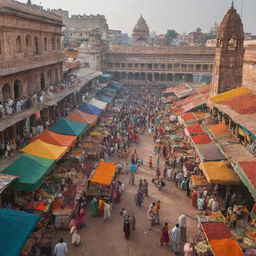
column 215, row 230
column 188, row 116
column 225, row 247
column 250, row 171
column 248, row 106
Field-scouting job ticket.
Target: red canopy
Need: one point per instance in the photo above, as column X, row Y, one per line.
column 194, row 129
column 188, row 116
column 201, row 139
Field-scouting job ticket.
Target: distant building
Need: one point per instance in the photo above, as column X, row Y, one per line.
column 140, row 34
column 78, row 27
column 196, row 38
column 117, row 37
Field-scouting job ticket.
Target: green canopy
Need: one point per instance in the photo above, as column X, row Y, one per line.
column 16, row 227
column 68, row 127
column 31, row 171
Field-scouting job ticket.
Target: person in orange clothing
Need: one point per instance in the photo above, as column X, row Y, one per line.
column 150, row 162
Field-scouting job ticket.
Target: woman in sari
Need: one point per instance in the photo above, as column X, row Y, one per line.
column 150, row 162
column 101, row 207
column 94, row 207
column 164, row 234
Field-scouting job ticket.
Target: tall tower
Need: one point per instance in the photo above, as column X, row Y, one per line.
column 229, row 54
column 140, row 32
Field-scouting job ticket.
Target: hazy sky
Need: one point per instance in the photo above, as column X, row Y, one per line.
column 181, row 15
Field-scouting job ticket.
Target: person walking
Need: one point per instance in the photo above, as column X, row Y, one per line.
column 127, row 226
column 164, row 239
column 145, row 187
column 157, row 217
column 139, row 198
column 61, row 248
column 175, row 241
column 107, row 211
column 150, row 162
column 151, row 216
column 158, row 173
column 188, row 249
column 75, row 237
column 94, row 207
column 183, row 227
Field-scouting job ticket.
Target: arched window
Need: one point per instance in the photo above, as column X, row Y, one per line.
column 45, row 44
column 58, row 44
column 6, row 92
column 17, row 89
column 36, row 46
column 18, row 44
column 28, row 41
column 53, row 44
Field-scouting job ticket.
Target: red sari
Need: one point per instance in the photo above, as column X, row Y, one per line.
column 164, row 235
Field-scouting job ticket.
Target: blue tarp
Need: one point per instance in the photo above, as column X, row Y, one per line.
column 116, row 85
column 90, row 109
column 16, row 227
column 110, row 90
column 104, row 98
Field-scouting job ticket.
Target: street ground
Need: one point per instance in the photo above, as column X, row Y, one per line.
column 100, row 238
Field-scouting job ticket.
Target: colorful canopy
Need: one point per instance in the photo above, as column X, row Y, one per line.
column 98, row 103
column 104, row 98
column 16, row 227
column 201, row 139
column 90, row 109
column 193, row 129
column 5, row 180
column 104, row 173
column 219, row 173
column 231, row 94
column 247, row 173
column 56, row 139
column 218, row 130
column 31, row 171
column 45, row 150
column 210, row 152
column 81, row 117
column 68, row 127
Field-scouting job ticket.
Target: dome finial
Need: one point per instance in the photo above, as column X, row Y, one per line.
column 232, row 4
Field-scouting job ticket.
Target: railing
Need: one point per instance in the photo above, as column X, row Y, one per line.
column 17, row 65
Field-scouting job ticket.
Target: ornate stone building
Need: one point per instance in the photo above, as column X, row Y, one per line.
column 140, row 33
column 249, row 67
column 31, row 57
column 228, row 63
column 141, row 61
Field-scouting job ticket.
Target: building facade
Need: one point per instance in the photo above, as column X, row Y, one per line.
column 31, row 57
column 228, row 63
column 141, row 61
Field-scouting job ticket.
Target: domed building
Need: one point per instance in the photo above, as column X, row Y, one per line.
column 140, row 32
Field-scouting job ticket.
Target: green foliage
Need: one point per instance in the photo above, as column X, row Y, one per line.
column 171, row 34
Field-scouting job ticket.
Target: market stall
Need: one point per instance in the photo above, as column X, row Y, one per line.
column 101, row 180
column 90, row 109
column 210, row 152
column 16, row 228
column 41, row 149
column 68, row 127
column 219, row 172
column 81, row 117
column 98, row 103
column 56, row 139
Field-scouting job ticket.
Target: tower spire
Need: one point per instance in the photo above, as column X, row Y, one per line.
column 232, row 4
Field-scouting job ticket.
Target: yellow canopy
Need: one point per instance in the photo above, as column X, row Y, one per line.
column 45, row 150
column 230, row 94
column 219, row 173
column 96, row 133
column 104, row 173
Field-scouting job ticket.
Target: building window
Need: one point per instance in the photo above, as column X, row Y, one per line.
column 58, row 43
column 18, row 44
column 53, row 44
column 45, row 44
column 28, row 41
column 36, row 46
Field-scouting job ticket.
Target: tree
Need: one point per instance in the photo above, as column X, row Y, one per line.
column 171, row 34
